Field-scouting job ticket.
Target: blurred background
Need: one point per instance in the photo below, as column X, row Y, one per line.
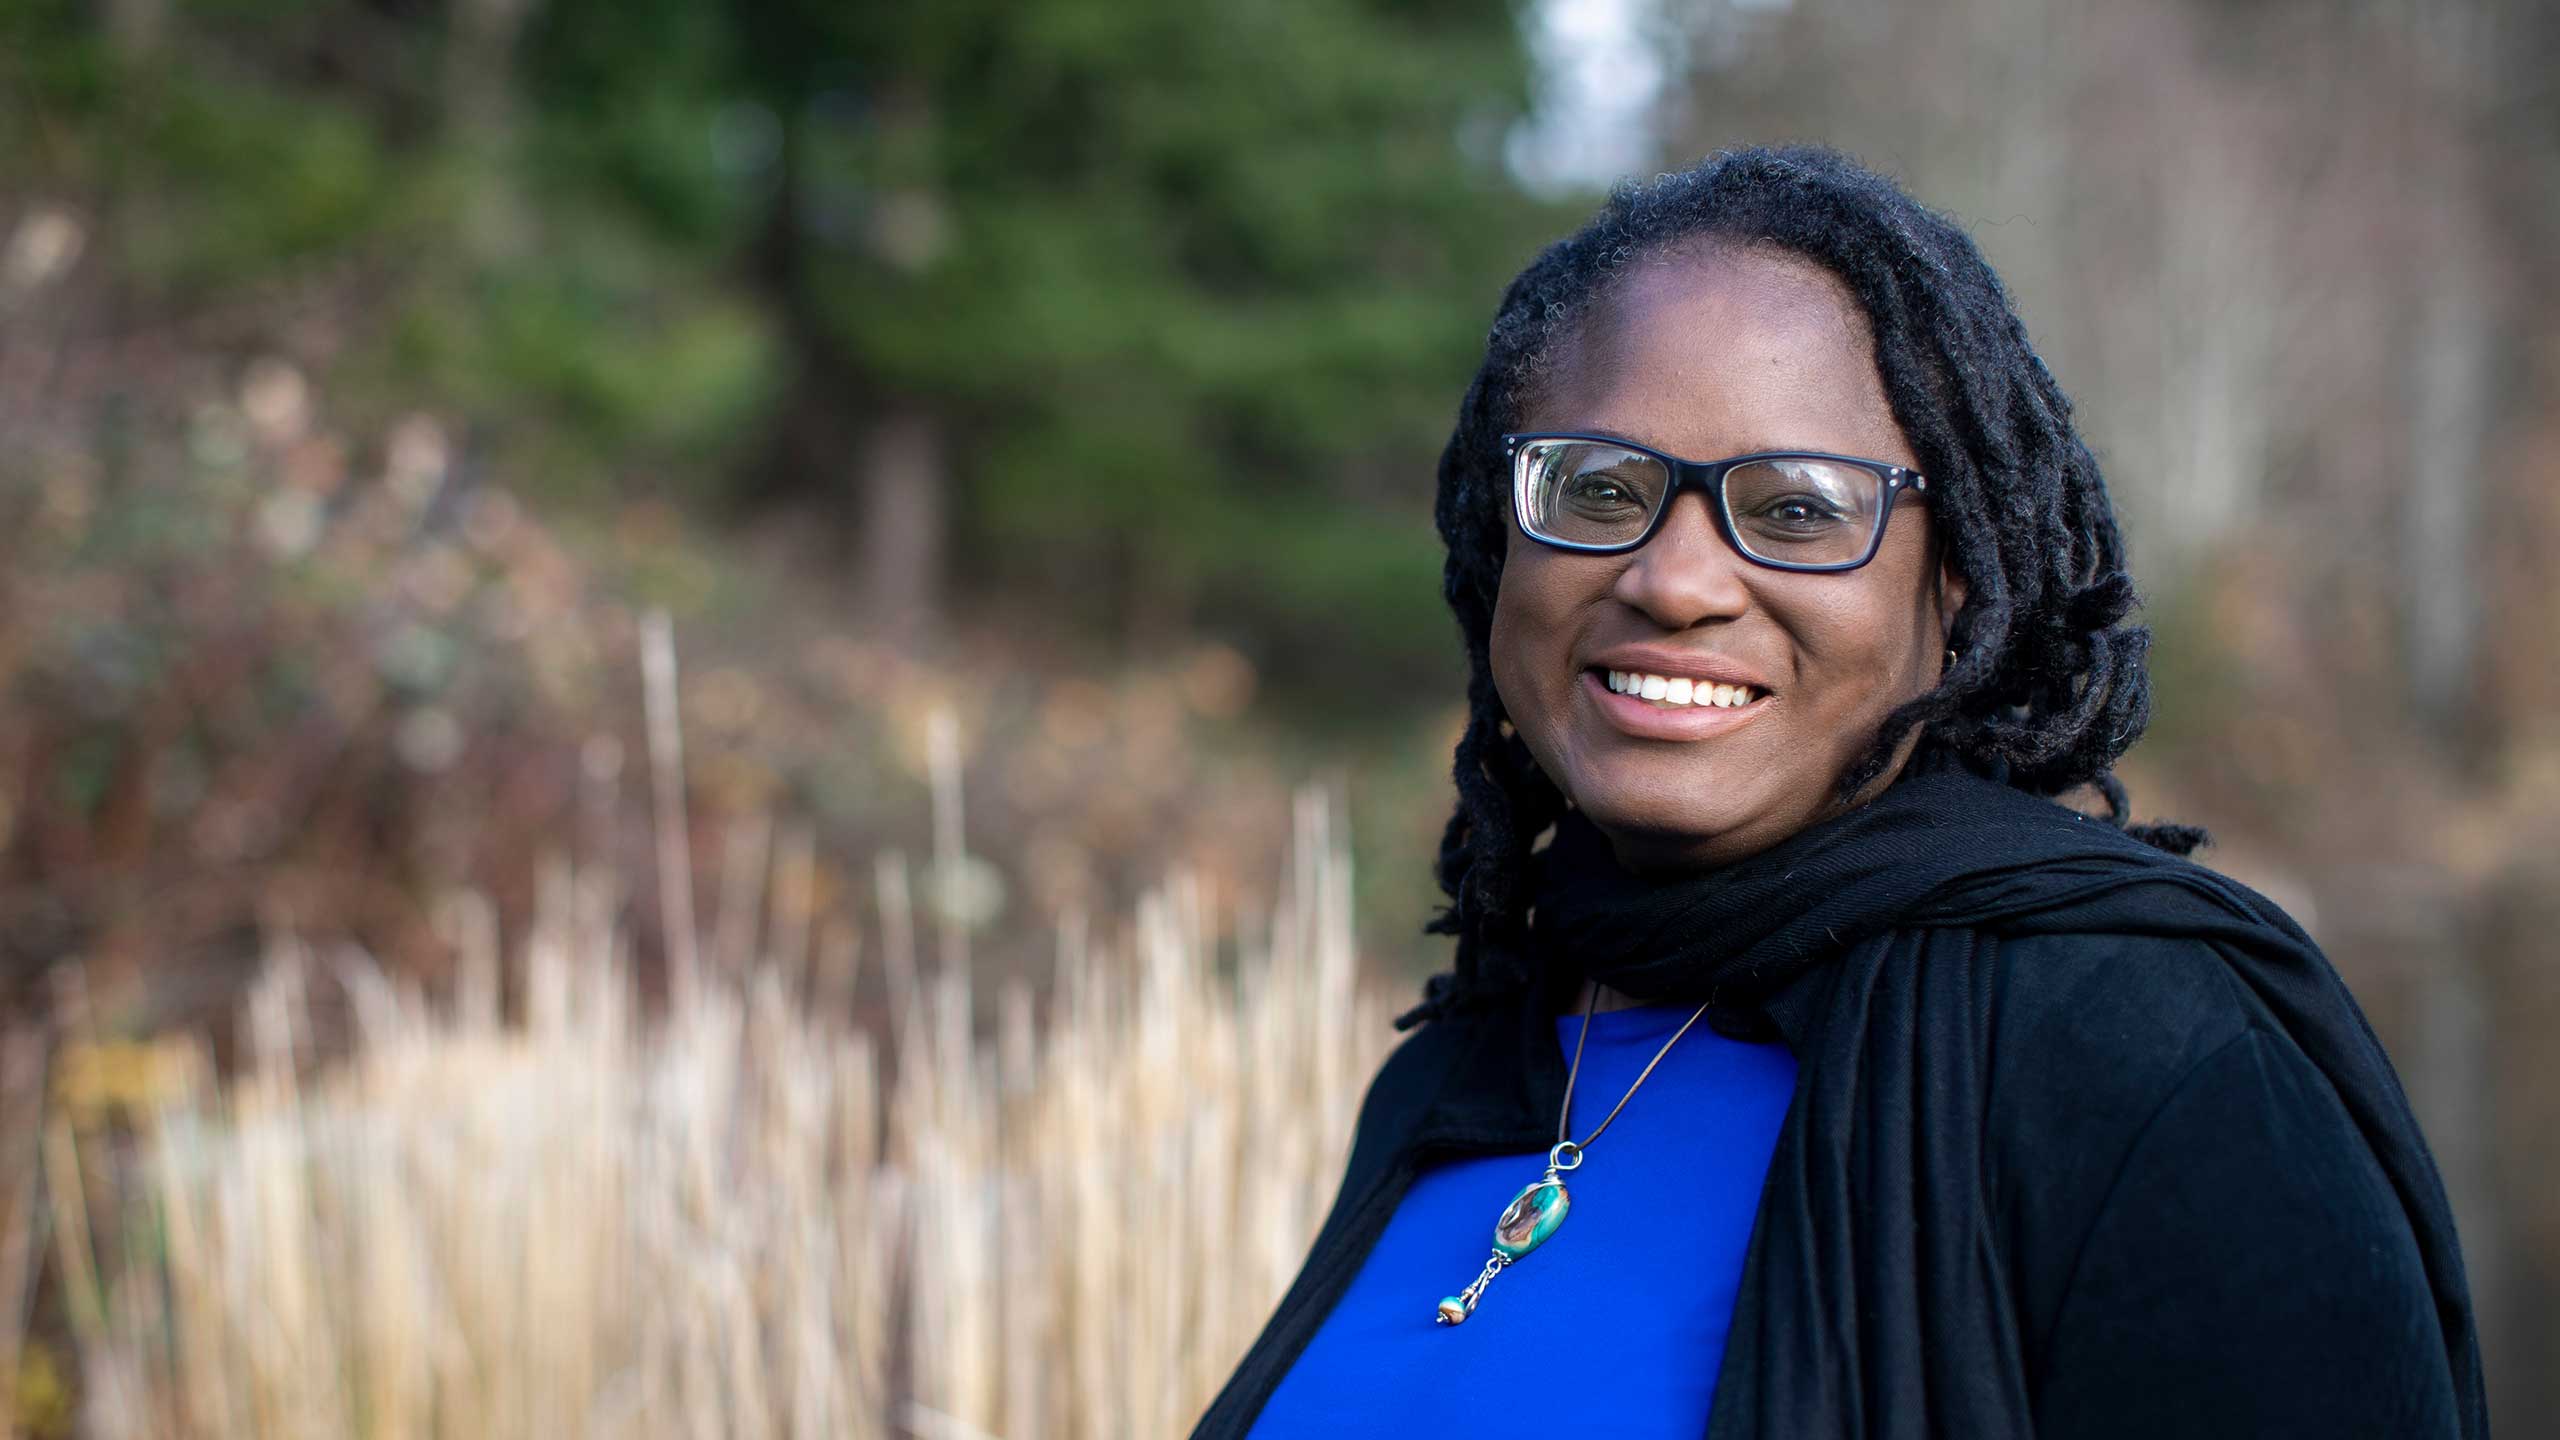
column 726, row 447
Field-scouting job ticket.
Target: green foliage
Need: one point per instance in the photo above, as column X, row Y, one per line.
column 1189, row 293
column 230, row 180
column 622, row 364
column 1192, row 292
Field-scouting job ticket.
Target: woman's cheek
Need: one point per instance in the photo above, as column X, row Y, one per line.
column 1514, row 666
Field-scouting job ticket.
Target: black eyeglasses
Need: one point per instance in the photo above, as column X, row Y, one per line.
column 1786, row 509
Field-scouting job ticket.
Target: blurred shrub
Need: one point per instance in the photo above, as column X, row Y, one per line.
column 257, row 672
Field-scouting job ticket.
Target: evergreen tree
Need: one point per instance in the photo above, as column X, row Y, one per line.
column 1149, row 303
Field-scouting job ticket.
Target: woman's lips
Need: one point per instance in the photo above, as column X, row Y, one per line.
column 1647, row 720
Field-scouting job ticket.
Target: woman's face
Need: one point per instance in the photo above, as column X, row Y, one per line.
column 1705, row 354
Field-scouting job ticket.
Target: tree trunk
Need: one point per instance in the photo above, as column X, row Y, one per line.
column 877, row 467
column 480, row 114
column 900, row 523
column 2449, row 385
column 135, row 28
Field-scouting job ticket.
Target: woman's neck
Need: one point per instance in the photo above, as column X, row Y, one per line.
column 1609, row 999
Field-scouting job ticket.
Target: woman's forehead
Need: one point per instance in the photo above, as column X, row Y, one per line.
column 1764, row 276
column 1719, row 350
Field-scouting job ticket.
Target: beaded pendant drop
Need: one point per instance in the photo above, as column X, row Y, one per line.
column 1533, row 1215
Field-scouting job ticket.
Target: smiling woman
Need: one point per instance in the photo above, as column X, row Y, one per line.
column 1828, row 653
column 2009, row 1119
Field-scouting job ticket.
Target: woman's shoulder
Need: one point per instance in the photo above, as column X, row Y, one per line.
column 2151, row 1129
column 1411, row 1079
column 1460, row 1068
column 2105, row 1046
column 2091, row 1035
column 2094, row 1036
column 2106, row 1010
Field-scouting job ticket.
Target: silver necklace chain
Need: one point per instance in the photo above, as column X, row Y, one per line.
column 1566, row 1117
column 1539, row 1208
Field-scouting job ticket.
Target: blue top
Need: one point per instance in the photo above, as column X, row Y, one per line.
column 1616, row 1325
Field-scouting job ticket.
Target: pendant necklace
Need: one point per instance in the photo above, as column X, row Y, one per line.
column 1535, row 1213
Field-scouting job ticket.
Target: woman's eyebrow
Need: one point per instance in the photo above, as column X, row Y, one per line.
column 1603, row 432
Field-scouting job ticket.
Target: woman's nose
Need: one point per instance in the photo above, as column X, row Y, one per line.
column 1686, row 573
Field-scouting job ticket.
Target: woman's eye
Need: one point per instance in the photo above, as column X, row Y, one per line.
column 1797, row 512
column 1598, row 492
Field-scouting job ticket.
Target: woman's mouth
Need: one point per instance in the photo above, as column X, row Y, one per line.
column 1672, row 707
column 1678, row 691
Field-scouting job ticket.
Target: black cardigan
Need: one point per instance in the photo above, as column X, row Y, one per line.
column 2194, row 1238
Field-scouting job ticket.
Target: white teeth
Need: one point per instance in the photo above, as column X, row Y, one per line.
column 1680, row 690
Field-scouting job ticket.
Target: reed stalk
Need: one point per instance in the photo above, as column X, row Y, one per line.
column 1034, row 1216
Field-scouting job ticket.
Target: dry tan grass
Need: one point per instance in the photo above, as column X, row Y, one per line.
column 742, row 1216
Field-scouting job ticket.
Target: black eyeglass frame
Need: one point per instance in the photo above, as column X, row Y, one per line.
column 1707, row 478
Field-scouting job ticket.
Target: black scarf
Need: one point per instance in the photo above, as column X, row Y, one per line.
column 1941, row 853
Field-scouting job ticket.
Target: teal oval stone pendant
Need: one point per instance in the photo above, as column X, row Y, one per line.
column 1531, row 1217
column 1524, row 1225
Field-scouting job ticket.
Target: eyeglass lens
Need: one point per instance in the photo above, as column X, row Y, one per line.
column 1788, row 511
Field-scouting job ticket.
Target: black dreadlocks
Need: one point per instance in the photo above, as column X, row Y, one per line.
column 2048, row 679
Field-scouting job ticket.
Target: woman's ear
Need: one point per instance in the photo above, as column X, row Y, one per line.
column 1951, row 597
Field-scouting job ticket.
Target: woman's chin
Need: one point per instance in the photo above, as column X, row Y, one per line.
column 1649, row 836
